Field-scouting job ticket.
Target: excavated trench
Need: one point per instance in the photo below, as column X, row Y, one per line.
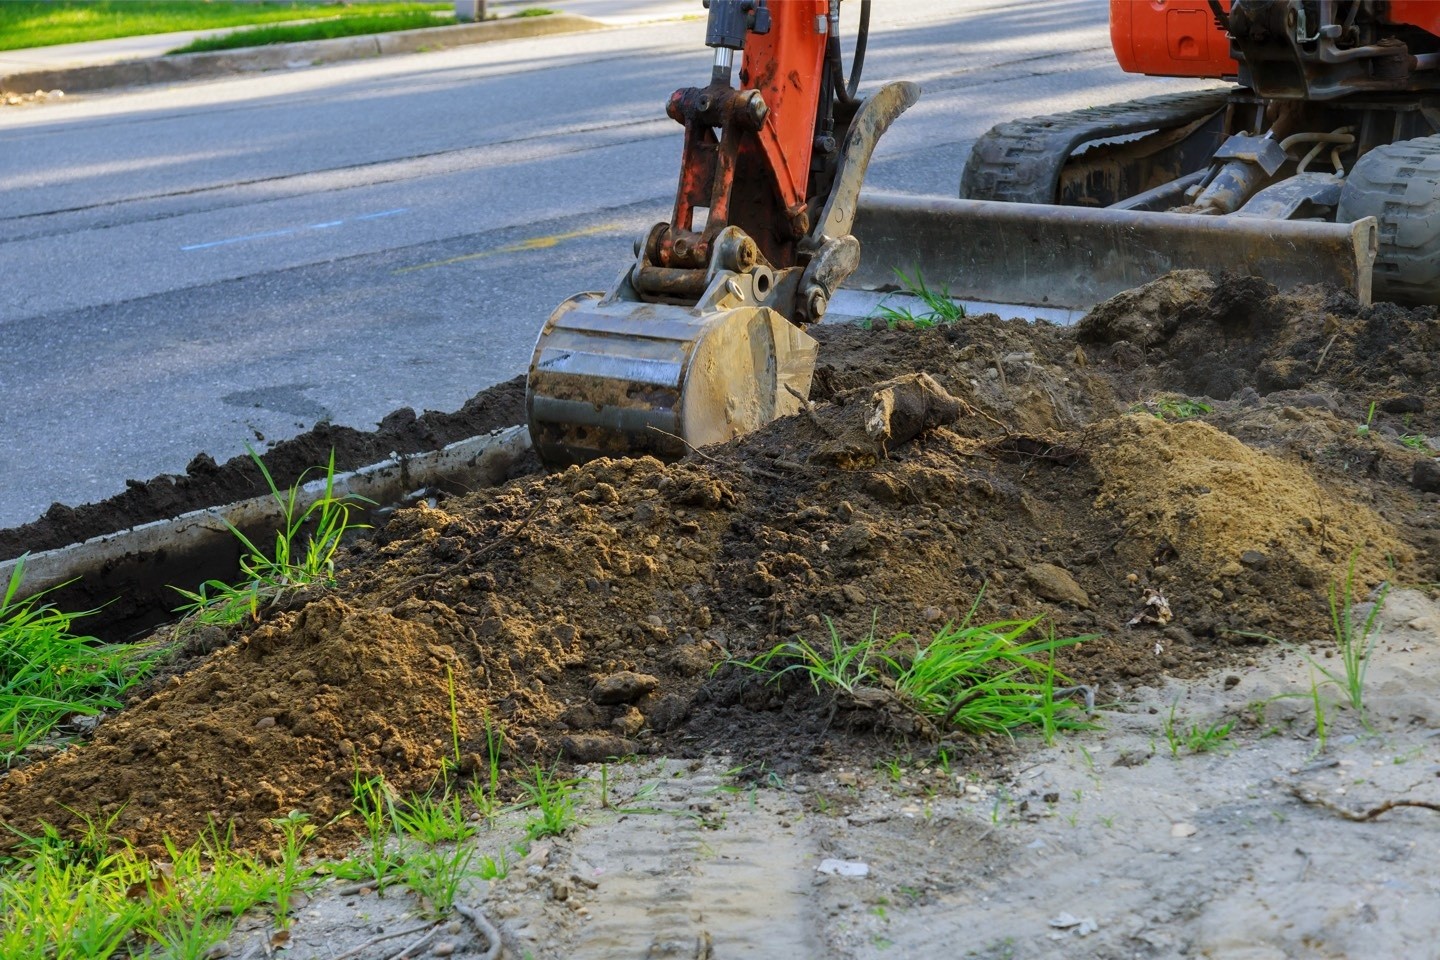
column 1206, row 441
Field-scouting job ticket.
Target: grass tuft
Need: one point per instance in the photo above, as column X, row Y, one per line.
column 304, row 553
column 49, row 673
column 988, row 678
column 940, row 309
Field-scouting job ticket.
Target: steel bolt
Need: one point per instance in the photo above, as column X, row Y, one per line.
column 755, row 105
column 818, row 304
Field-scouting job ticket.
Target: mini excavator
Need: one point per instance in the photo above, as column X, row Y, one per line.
column 1319, row 163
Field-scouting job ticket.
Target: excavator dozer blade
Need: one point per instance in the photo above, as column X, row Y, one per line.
column 620, row 378
column 1039, row 255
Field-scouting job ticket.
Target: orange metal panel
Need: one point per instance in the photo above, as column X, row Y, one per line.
column 1424, row 14
column 1171, row 38
column 785, row 66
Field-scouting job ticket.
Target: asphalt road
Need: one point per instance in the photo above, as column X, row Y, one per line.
column 192, row 268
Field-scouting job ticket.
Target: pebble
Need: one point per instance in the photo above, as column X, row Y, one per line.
column 443, row 949
column 1054, row 583
column 264, row 723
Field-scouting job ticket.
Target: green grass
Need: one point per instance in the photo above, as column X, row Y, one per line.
column 49, row 673
column 83, row 894
column 357, row 21
column 94, row 897
column 843, row 666
column 554, row 801
column 43, row 23
column 1416, row 441
column 988, row 678
column 940, row 309
column 1172, row 407
column 1354, row 641
column 1363, row 430
column 304, row 553
column 1196, row 739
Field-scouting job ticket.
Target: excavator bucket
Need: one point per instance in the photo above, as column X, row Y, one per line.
column 1039, row 255
column 614, row 377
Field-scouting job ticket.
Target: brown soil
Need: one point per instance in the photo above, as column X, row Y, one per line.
column 586, row 610
column 207, row 484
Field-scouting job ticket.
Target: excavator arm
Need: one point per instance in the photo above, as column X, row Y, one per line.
column 702, row 337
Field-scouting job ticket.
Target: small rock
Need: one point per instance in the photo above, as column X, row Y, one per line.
column 629, row 723
column 593, row 748
column 264, row 723
column 1405, row 403
column 1053, row 583
column 1426, row 476
column 1254, row 559
column 670, row 712
column 623, row 687
column 1181, row 830
column 443, row 948
column 1317, row 401
column 843, row 868
column 1231, row 569
column 560, row 890
column 853, row 594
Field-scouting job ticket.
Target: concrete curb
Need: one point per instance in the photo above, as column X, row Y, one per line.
column 128, row 572
column 287, row 56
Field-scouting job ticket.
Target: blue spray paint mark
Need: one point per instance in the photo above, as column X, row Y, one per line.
column 327, row 225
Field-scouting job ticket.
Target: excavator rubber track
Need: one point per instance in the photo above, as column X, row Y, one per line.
column 1020, row 161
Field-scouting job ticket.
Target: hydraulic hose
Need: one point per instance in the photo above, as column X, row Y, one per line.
column 845, row 92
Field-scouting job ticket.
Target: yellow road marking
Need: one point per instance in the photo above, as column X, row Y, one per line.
column 534, row 243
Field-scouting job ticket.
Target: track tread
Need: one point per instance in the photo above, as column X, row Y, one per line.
column 1020, row 160
column 1399, row 185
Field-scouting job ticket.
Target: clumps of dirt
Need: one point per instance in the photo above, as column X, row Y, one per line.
column 592, row 612
column 208, row 484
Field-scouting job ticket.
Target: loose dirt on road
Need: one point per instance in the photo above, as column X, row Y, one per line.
column 1210, row 443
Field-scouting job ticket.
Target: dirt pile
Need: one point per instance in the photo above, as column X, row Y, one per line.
column 585, row 611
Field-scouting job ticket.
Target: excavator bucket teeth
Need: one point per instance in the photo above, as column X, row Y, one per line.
column 619, row 378
column 1074, row 257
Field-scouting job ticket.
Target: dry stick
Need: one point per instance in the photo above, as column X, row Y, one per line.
column 809, row 408
column 356, row 951
column 1357, row 815
column 742, row 467
column 1326, row 352
column 486, row 928
column 416, row 945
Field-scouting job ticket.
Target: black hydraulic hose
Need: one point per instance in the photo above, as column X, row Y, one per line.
column 845, row 92
column 857, row 66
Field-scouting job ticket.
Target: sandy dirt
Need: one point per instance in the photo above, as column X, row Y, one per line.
column 1207, row 442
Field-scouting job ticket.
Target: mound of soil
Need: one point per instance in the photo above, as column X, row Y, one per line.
column 586, row 611
column 208, row 484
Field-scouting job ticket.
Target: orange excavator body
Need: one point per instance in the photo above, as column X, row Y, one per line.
column 1181, row 38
